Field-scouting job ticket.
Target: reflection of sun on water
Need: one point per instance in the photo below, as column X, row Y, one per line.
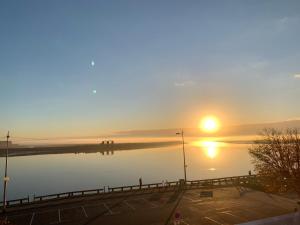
column 211, row 148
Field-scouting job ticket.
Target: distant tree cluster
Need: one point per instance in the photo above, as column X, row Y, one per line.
column 276, row 157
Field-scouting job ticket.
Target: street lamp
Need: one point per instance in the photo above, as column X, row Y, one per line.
column 6, row 178
column 183, row 151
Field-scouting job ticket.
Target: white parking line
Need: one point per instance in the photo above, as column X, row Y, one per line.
column 230, row 214
column 207, row 204
column 183, row 221
column 188, row 198
column 212, row 220
column 229, row 207
column 193, row 200
column 32, row 217
column 223, row 208
column 198, row 201
column 59, row 219
column 84, row 212
column 194, row 194
column 151, row 203
column 108, row 209
column 130, row 206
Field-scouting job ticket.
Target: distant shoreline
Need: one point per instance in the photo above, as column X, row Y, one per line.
column 84, row 148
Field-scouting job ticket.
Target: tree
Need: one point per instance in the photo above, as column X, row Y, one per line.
column 276, row 157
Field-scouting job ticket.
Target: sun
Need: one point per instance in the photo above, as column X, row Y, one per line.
column 209, row 124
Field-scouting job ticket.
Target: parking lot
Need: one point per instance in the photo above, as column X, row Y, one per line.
column 227, row 206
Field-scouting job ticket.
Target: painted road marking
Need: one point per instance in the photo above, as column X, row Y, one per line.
column 108, row 209
column 229, row 207
column 198, row 201
column 188, row 198
column 130, row 206
column 183, row 221
column 32, row 217
column 230, row 214
column 193, row 200
column 84, row 212
column 151, row 203
column 212, row 220
column 194, row 194
column 204, row 203
column 223, row 208
column 59, row 219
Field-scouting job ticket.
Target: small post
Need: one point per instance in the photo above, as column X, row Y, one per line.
column 183, row 152
column 6, row 178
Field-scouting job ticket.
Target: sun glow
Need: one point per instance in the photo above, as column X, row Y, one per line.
column 209, row 124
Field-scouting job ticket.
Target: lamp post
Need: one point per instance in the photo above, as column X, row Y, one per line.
column 183, row 151
column 6, row 178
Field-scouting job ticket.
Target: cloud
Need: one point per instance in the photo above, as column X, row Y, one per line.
column 283, row 20
column 297, row 76
column 286, row 22
column 293, row 118
column 257, row 65
column 187, row 83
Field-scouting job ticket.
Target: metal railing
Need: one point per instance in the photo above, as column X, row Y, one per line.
column 68, row 194
column 226, row 181
column 144, row 187
column 19, row 201
column 206, row 183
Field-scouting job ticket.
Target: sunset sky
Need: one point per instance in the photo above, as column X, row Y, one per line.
column 90, row 67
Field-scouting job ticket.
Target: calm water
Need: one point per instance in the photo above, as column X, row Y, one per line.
column 69, row 172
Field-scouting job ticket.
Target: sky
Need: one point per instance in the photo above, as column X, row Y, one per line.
column 70, row 68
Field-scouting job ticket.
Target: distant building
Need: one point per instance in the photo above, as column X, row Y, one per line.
column 107, row 142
